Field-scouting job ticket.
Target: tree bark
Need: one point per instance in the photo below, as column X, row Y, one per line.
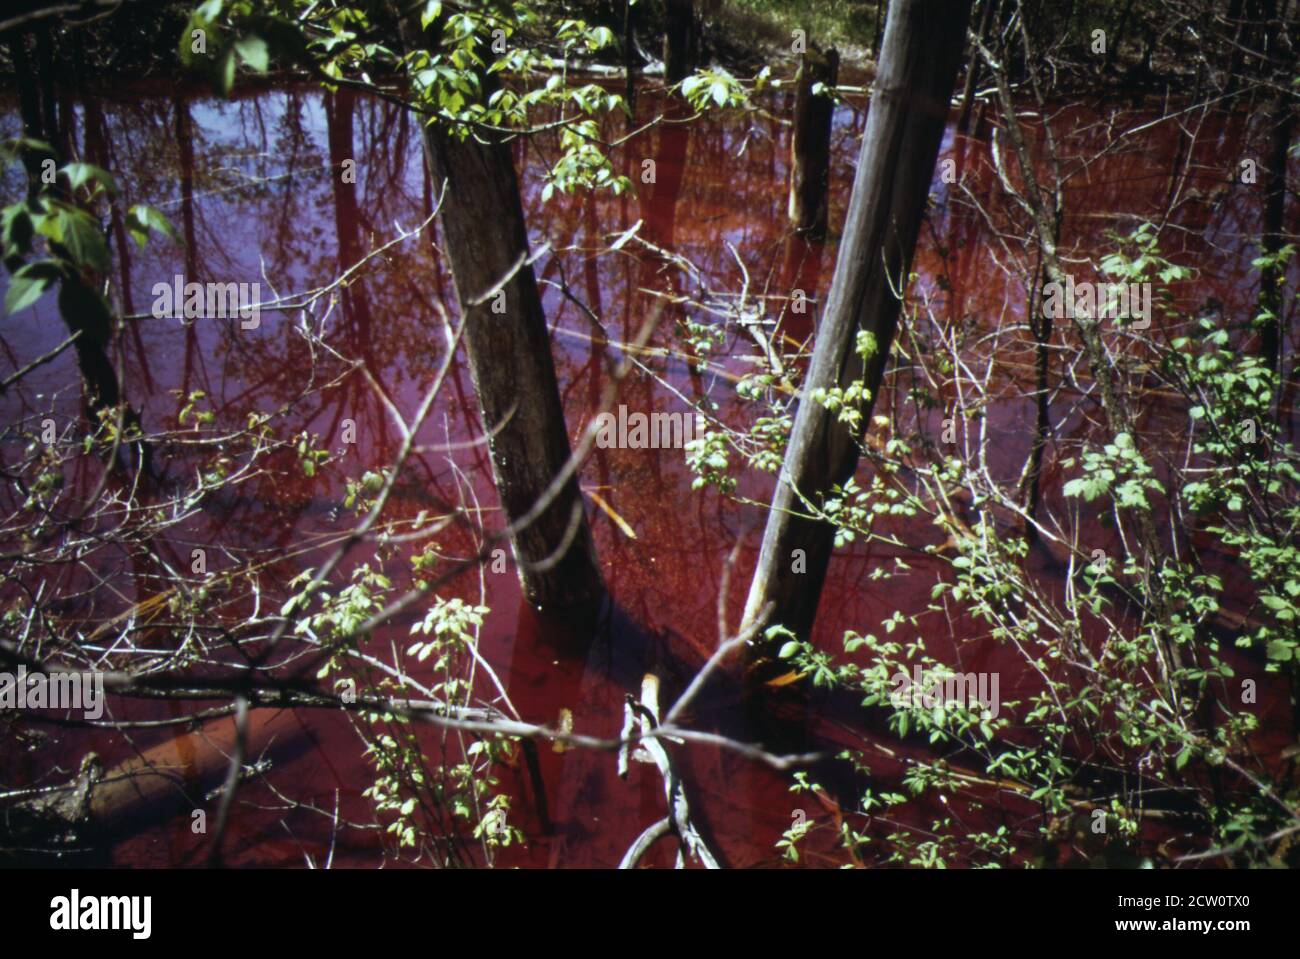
column 680, row 42
column 918, row 66
column 973, row 66
column 629, row 62
column 1271, row 280
column 1116, row 38
column 482, row 223
column 810, row 146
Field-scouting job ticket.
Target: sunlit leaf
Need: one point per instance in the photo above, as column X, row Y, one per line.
column 29, row 284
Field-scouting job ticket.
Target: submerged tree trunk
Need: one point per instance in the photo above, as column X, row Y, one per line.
column 510, row 360
column 509, row 350
column 178, row 775
column 918, row 65
column 810, row 146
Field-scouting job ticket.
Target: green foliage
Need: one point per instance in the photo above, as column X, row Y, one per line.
column 709, row 458
column 848, row 402
column 716, row 87
column 1125, row 706
column 482, row 69
column 1247, row 491
column 1119, row 469
column 429, row 808
column 828, row 22
column 53, row 236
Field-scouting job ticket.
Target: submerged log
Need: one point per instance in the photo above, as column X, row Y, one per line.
column 182, row 774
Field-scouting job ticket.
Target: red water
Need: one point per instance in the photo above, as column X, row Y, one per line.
column 251, row 183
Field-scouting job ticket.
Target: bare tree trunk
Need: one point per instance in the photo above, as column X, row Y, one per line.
column 810, row 146
column 680, row 42
column 159, row 783
column 629, row 63
column 509, row 350
column 1116, row 37
column 1271, row 280
column 1040, row 323
column 918, row 66
column 339, row 109
column 973, row 65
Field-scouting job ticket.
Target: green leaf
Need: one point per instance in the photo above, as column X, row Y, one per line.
column 78, row 231
column 1280, row 650
column 16, row 229
column 29, row 284
column 79, row 174
column 12, row 148
column 142, row 218
column 226, row 78
column 252, row 50
column 431, row 11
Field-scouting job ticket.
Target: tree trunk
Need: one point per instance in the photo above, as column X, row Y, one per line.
column 1116, row 38
column 973, row 66
column 1040, row 323
column 679, row 40
column 482, row 223
column 1271, row 279
column 810, row 146
column 159, row 783
column 629, row 62
column 83, row 310
column 918, row 65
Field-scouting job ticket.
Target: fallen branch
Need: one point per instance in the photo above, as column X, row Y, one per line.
column 679, row 816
